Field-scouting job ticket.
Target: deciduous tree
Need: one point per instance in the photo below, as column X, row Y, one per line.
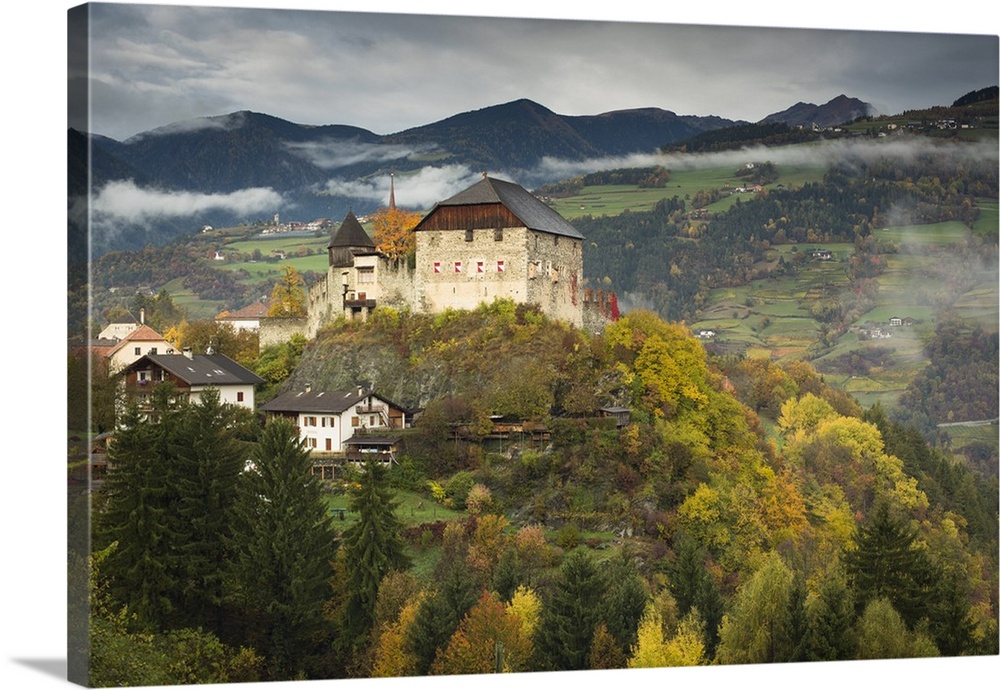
column 393, row 231
column 288, row 295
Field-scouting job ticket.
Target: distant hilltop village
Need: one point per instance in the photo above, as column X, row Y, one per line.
column 492, row 240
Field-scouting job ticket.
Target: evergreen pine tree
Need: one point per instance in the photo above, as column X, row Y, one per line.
column 624, row 601
column 951, row 623
column 440, row 613
column 692, row 587
column 570, row 614
column 208, row 459
column 508, row 574
column 282, row 547
column 374, row 546
column 831, row 634
column 138, row 512
column 797, row 622
column 886, row 563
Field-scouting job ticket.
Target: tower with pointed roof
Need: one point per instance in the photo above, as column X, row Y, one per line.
column 347, row 240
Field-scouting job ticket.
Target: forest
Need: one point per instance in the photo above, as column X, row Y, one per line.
column 745, row 513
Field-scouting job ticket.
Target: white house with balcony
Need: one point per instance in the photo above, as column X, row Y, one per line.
column 191, row 375
column 327, row 420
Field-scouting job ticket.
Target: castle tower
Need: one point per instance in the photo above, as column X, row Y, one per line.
column 349, row 239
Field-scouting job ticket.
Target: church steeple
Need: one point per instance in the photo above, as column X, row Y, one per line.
column 392, row 193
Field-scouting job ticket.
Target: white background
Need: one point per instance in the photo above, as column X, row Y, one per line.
column 33, row 400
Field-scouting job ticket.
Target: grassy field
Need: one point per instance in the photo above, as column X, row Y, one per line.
column 413, row 509
column 195, row 308
column 771, row 318
column 611, row 200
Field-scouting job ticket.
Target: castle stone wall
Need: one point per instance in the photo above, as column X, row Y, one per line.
column 453, row 271
column 274, row 331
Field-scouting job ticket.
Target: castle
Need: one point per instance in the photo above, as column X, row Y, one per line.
column 492, row 240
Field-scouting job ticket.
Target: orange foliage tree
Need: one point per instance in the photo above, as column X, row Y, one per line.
column 393, row 232
column 489, row 639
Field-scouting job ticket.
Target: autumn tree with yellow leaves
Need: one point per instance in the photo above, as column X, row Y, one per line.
column 393, row 232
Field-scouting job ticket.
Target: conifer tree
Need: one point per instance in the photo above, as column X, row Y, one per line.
column 208, row 460
column 282, row 548
column 570, row 614
column 831, row 635
column 887, row 563
column 373, row 547
column 624, row 601
column 441, row 611
column 137, row 511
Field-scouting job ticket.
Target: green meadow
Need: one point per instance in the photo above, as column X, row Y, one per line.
column 611, row 200
column 772, row 317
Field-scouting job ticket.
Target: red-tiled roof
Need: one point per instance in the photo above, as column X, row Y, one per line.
column 143, row 332
column 257, row 310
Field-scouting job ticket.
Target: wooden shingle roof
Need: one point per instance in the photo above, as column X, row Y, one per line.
column 351, row 234
column 524, row 205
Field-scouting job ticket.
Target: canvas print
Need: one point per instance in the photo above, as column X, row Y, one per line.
column 413, row 345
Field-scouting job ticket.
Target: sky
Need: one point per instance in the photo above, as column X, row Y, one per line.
column 156, row 68
column 156, row 65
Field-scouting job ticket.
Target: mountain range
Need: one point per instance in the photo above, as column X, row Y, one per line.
column 246, row 150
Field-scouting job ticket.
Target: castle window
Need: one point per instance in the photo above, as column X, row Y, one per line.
column 437, row 266
column 480, row 267
column 366, row 274
column 500, row 266
column 468, row 235
column 498, row 235
column 458, row 267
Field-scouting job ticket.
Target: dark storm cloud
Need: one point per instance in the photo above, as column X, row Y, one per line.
column 155, row 65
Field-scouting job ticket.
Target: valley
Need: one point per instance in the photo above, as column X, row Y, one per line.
column 929, row 271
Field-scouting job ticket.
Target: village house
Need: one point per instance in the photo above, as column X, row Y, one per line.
column 338, row 425
column 120, row 327
column 328, row 419
column 246, row 319
column 136, row 344
column 191, row 375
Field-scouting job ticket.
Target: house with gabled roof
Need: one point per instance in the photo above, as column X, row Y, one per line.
column 120, row 327
column 136, row 344
column 190, row 376
column 247, row 318
column 328, row 419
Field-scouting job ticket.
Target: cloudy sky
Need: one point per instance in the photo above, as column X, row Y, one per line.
column 154, row 65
